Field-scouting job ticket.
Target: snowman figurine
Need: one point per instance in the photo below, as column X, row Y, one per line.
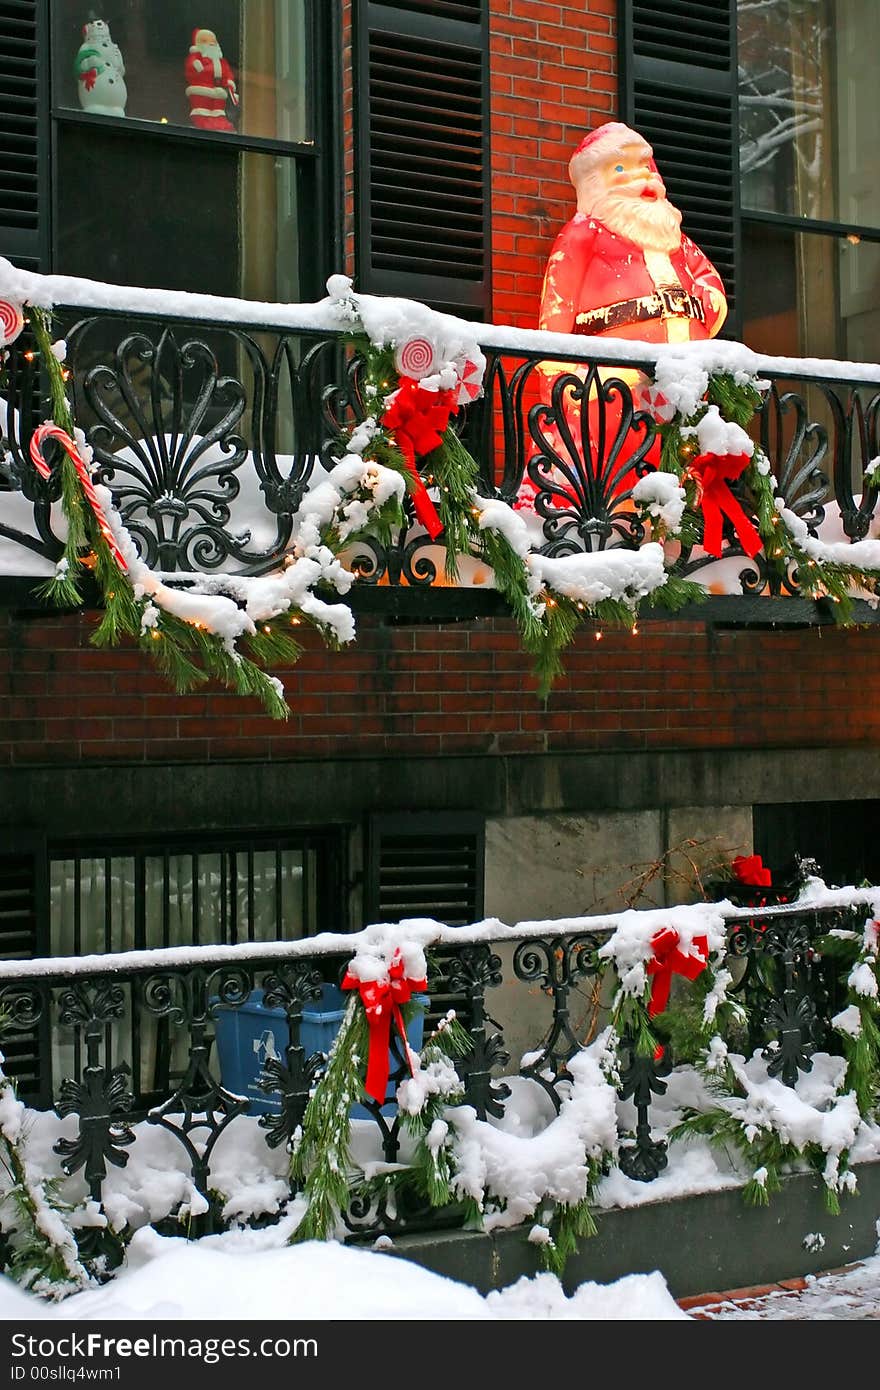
column 100, row 71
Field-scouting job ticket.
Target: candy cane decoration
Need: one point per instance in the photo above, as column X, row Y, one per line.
column 50, row 431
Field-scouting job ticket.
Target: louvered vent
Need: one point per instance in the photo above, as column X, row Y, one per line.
column 426, row 165
column 18, row 941
column 19, row 187
column 672, row 29
column 693, row 148
column 425, row 866
column 422, row 154
column 451, row 9
column 678, row 67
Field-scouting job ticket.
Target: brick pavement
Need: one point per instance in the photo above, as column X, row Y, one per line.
column 850, row 1293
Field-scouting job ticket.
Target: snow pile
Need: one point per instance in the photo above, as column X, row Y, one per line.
column 518, row 1173
column 622, row 575
column 663, row 497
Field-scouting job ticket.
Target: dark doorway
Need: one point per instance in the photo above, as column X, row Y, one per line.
column 842, row 836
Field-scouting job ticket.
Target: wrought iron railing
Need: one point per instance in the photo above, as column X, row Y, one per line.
column 104, row 1015
column 210, row 431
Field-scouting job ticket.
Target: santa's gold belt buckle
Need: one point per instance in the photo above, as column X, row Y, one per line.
column 676, row 302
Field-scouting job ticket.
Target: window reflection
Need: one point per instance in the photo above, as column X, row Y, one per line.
column 807, row 102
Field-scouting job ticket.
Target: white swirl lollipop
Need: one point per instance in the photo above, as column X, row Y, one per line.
column 415, row 358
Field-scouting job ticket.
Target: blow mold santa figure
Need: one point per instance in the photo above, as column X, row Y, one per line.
column 210, row 82
column 622, row 268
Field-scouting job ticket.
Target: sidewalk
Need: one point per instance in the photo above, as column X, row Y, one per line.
column 850, row 1293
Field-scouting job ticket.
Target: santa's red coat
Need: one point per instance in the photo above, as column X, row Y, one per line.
column 209, row 73
column 591, row 267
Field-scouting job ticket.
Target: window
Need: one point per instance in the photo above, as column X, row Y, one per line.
column 178, row 894
column 808, row 169
column 194, row 158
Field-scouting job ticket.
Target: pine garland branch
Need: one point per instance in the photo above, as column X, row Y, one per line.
column 44, row 1256
column 321, row 1159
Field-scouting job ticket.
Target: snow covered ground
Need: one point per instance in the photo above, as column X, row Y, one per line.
column 254, row 1276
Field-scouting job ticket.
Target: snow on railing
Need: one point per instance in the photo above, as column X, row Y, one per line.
column 74, row 292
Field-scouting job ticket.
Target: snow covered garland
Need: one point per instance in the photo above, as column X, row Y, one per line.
column 421, row 367
column 500, row 1179
column 495, row 1179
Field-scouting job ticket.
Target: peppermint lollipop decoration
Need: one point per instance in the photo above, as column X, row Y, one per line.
column 415, row 358
column 11, row 321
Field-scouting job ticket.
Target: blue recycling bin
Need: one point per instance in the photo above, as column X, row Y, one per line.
column 248, row 1036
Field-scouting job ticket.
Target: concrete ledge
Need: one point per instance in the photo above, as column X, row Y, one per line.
column 709, row 1241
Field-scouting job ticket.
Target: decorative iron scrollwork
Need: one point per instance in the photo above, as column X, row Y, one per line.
column 556, row 965
column 644, row 1158
column 590, row 441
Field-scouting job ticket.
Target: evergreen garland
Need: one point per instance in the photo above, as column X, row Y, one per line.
column 321, row 1158
column 189, row 654
column 857, row 952
column 44, row 1256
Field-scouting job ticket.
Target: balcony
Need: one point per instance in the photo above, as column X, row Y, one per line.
column 213, row 421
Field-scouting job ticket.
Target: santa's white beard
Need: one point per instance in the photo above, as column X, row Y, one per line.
column 653, row 224
column 213, row 52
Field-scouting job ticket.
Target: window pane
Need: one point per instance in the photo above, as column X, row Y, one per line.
column 807, row 100
column 145, row 59
column 810, row 295
column 136, row 210
column 92, row 905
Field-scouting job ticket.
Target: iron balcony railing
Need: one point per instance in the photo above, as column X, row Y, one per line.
column 133, row 1036
column 210, row 426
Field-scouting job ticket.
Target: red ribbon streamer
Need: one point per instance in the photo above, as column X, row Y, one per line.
column 751, row 870
column 382, row 1000
column 417, row 419
column 50, row 431
column 712, row 473
column 668, row 960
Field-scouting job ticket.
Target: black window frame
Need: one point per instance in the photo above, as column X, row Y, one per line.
column 318, row 161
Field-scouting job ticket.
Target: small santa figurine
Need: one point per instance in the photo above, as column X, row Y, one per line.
column 210, row 82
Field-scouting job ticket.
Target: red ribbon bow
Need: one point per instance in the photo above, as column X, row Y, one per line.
column 750, row 869
column 418, row 418
column 382, row 1000
column 668, row 960
column 712, row 473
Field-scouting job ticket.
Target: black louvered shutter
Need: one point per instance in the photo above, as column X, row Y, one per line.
column 679, row 90
column 422, row 151
column 23, row 935
column 22, row 133
column 425, row 865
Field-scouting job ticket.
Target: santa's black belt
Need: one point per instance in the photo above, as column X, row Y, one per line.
column 664, row 304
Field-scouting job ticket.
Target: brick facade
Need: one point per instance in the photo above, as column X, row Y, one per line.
column 553, row 78
column 462, row 688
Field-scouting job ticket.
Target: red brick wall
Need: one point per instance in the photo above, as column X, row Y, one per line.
column 553, row 78
column 462, row 688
